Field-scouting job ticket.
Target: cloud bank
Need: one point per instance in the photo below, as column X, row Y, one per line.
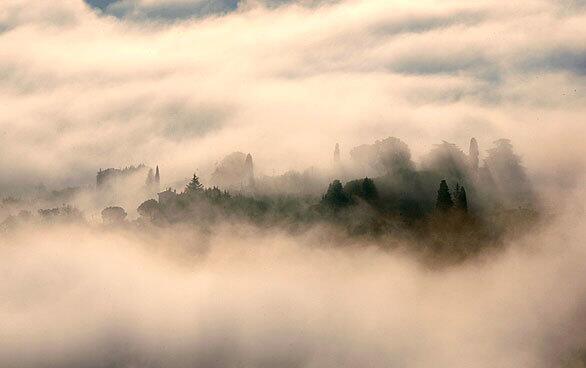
column 82, row 90
column 76, row 297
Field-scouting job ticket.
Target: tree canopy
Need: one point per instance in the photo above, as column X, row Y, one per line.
column 444, row 199
column 112, row 215
column 369, row 191
column 335, row 196
column 149, row 209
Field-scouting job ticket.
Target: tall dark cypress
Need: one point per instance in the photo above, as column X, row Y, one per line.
column 444, row 199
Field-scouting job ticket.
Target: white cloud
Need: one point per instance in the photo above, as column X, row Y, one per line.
column 83, row 90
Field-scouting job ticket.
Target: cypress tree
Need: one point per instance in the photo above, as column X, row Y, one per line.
column 157, row 177
column 444, row 199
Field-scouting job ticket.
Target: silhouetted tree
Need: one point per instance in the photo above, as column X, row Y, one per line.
column 248, row 171
column 388, row 156
column 444, row 199
column 508, row 173
column 113, row 215
column 194, row 186
column 149, row 209
column 447, row 160
column 369, row 191
column 335, row 197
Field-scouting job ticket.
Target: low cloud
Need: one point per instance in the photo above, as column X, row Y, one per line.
column 241, row 296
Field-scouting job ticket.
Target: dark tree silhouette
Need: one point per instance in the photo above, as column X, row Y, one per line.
column 194, row 186
column 335, row 197
column 149, row 209
column 444, row 199
column 113, row 215
column 369, row 191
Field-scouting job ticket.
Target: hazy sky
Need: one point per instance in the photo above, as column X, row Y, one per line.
column 180, row 84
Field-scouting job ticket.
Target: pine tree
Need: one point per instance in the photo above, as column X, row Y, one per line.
column 194, row 186
column 444, row 199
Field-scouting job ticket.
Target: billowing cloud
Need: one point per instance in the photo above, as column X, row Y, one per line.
column 83, row 90
column 75, row 297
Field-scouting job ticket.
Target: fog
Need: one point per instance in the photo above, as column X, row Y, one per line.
column 75, row 296
column 181, row 84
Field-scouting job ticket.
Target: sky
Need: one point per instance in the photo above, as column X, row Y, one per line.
column 181, row 83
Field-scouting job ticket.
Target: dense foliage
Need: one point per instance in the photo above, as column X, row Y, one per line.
column 448, row 205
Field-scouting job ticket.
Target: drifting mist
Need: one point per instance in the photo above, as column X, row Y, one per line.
column 271, row 183
column 74, row 297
